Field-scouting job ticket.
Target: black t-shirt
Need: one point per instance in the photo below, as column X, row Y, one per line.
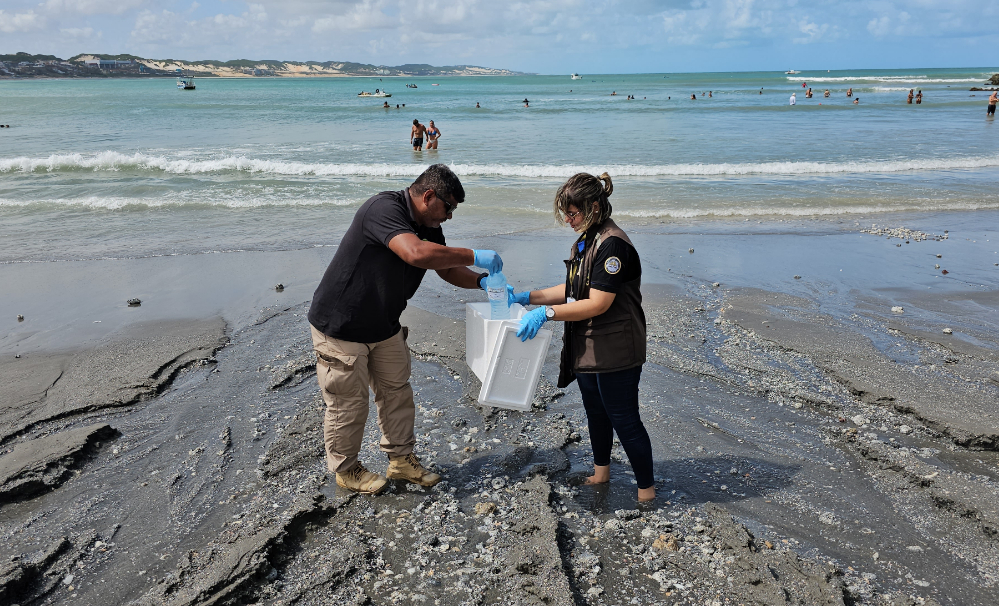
column 366, row 286
column 615, row 264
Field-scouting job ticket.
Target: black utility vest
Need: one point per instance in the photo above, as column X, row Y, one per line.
column 612, row 341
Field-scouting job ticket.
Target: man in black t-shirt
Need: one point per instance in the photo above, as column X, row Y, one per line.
column 394, row 239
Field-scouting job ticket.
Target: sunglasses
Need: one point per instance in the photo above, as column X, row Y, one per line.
column 448, row 207
column 571, row 216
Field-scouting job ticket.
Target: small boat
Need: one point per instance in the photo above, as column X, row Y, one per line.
column 377, row 93
column 791, row 72
column 576, row 77
column 411, row 86
column 435, row 85
column 185, row 83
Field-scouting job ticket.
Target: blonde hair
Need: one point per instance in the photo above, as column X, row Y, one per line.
column 581, row 191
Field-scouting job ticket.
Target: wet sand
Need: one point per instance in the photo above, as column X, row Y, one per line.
column 812, row 446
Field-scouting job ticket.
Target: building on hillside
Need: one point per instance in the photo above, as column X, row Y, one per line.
column 107, row 63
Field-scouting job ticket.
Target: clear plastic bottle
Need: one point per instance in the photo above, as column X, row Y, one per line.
column 499, row 307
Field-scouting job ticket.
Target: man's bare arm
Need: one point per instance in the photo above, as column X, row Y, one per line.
column 427, row 255
column 462, row 277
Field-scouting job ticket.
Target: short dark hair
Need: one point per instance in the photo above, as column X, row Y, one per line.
column 442, row 180
column 416, row 121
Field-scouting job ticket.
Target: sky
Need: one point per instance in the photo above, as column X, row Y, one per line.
column 538, row 36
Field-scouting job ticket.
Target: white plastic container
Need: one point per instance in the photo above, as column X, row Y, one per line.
column 481, row 333
column 508, row 368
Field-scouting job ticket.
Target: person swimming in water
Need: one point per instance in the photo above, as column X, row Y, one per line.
column 433, row 133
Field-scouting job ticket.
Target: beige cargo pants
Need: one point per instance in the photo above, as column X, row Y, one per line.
column 345, row 370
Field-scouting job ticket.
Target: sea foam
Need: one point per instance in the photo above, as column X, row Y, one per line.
column 889, row 79
column 115, row 161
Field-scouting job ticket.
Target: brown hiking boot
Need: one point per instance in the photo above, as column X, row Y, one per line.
column 408, row 467
column 359, row 479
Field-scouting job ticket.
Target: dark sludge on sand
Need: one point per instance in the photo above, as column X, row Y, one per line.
column 804, row 455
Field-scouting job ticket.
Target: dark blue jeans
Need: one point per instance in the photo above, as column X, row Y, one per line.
column 611, row 403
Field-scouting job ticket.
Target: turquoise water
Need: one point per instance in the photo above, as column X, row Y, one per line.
column 112, row 168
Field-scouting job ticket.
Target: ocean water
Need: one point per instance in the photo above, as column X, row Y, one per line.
column 129, row 168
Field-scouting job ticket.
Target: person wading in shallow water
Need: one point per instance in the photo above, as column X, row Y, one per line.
column 603, row 347
column 394, row 239
column 433, row 134
column 416, row 135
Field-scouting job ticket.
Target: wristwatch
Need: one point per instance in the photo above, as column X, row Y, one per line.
column 550, row 313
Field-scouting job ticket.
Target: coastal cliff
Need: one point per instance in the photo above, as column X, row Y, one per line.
column 24, row 65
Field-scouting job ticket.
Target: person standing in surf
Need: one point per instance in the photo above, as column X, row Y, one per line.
column 416, row 135
column 433, row 134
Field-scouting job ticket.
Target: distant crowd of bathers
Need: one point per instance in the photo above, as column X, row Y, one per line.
column 432, row 133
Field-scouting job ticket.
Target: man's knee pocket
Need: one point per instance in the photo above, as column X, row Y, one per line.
column 341, row 375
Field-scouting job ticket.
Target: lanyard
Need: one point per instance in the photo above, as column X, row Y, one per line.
column 575, row 265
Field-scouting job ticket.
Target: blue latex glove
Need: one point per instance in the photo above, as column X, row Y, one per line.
column 531, row 322
column 524, row 298
column 488, row 260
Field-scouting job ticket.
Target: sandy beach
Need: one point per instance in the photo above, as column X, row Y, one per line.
column 819, row 438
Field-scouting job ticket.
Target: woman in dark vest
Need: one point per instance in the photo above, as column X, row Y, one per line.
column 604, row 341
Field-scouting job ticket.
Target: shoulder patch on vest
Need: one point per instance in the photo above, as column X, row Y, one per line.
column 612, row 265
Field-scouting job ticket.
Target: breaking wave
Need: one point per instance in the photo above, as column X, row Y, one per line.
column 115, row 161
column 889, row 79
column 121, row 203
column 799, row 211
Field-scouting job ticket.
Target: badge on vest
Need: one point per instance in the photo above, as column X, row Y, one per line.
column 612, row 265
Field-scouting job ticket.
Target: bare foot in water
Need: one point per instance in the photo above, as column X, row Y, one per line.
column 646, row 494
column 601, row 475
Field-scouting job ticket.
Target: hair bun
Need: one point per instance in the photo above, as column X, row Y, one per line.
column 608, row 185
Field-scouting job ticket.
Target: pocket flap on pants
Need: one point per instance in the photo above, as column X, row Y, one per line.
column 344, row 360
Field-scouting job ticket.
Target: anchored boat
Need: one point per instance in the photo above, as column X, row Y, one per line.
column 185, row 83
column 377, row 93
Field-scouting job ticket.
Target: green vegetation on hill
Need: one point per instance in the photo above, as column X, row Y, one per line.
column 205, row 66
column 18, row 57
column 122, row 57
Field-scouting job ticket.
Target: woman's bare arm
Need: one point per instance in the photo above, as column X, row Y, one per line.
column 548, row 296
column 598, row 303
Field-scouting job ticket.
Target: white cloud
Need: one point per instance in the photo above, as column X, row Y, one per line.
column 20, row 22
column 92, row 7
column 812, row 31
column 524, row 34
column 722, row 22
column 79, row 33
column 362, row 16
column 169, row 29
column 878, row 26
